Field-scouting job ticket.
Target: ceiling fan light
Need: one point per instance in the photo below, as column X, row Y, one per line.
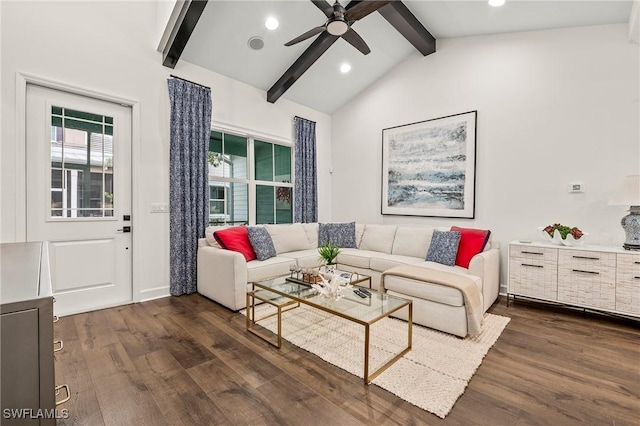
column 271, row 23
column 337, row 27
column 496, row 3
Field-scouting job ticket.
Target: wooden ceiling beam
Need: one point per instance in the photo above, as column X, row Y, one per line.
column 301, row 65
column 186, row 23
column 398, row 15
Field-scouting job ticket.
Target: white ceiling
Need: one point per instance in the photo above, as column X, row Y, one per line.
column 220, row 40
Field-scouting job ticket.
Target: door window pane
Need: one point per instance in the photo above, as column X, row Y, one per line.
column 81, row 164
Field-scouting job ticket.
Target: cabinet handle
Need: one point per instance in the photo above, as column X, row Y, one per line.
column 57, row 342
column 532, row 252
column 637, row 278
column 637, row 263
column 586, row 257
column 65, row 399
column 533, row 266
column 586, row 272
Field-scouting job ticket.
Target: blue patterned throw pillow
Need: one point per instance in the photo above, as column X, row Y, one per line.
column 339, row 234
column 444, row 247
column 261, row 242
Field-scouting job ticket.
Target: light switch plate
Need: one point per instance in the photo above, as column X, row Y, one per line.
column 159, row 208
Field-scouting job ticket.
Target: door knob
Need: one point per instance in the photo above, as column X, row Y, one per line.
column 124, row 229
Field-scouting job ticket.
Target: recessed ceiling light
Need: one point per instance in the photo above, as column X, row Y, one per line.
column 496, row 3
column 345, row 68
column 271, row 23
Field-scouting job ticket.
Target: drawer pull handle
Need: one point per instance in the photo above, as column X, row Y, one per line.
column 57, row 342
column 533, row 266
column 65, row 399
column 533, row 252
column 637, row 263
column 637, row 278
column 586, row 257
column 586, row 272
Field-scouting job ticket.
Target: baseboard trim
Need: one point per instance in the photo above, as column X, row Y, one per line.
column 154, row 293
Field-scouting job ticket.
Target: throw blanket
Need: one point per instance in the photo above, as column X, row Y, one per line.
column 466, row 285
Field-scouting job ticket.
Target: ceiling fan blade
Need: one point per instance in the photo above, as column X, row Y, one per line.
column 325, row 7
column 308, row 34
column 354, row 39
column 364, row 8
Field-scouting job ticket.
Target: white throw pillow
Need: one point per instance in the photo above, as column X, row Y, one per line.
column 359, row 233
column 378, row 238
column 208, row 234
column 412, row 241
column 312, row 233
column 288, row 238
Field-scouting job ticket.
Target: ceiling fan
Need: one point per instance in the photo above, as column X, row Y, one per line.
column 338, row 25
column 340, row 19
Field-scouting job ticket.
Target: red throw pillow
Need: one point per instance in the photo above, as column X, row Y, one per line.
column 236, row 239
column 472, row 242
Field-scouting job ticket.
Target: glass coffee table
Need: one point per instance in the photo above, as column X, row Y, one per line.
column 285, row 295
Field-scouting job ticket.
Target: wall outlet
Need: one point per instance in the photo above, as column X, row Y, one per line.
column 159, row 208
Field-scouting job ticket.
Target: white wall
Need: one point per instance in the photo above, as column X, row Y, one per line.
column 110, row 47
column 554, row 107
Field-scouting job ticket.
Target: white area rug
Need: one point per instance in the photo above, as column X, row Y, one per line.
column 432, row 376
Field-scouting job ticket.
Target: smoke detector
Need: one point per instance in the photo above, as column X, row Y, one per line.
column 256, row 43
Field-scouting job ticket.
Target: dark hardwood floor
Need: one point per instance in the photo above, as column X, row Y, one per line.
column 186, row 360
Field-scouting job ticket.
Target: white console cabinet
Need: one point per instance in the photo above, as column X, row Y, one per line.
column 600, row 278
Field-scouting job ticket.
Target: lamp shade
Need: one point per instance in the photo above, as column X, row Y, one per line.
column 628, row 194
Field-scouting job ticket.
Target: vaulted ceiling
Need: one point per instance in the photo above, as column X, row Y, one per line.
column 220, row 39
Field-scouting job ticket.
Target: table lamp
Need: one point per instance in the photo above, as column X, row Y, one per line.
column 628, row 194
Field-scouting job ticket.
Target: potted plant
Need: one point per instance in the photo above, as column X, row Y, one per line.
column 328, row 253
column 562, row 234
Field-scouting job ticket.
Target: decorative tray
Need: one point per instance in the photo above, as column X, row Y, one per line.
column 300, row 281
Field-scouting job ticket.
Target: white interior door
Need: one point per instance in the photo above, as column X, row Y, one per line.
column 79, row 196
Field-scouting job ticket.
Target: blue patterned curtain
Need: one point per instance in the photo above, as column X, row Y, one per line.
column 188, row 180
column 306, row 186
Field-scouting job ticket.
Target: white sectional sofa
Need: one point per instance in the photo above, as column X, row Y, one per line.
column 223, row 275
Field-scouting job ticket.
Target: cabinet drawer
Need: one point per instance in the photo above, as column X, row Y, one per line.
column 588, row 261
column 628, row 283
column 535, row 254
column 535, row 277
column 587, row 278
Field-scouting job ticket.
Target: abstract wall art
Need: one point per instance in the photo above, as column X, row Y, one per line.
column 428, row 168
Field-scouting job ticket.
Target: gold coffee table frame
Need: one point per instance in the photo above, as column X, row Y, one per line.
column 283, row 294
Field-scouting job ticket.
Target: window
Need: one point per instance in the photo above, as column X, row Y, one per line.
column 81, row 182
column 249, row 180
column 273, row 183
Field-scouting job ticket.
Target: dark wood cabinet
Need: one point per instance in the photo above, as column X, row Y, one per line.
column 26, row 331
